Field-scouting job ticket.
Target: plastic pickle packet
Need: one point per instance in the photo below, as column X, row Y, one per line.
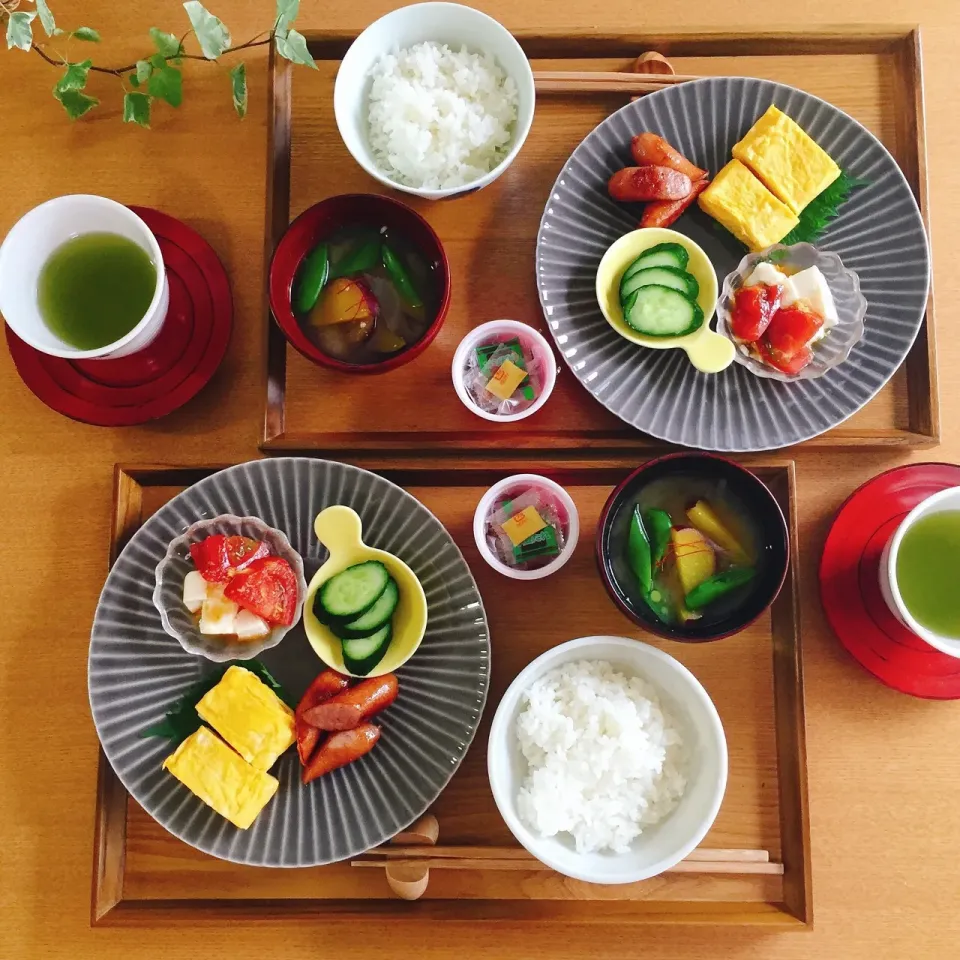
column 541, row 546
column 489, row 363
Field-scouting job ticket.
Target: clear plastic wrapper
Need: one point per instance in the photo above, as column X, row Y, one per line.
column 483, row 365
column 537, row 550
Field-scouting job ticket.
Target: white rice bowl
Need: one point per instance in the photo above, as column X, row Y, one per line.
column 605, row 760
column 440, row 118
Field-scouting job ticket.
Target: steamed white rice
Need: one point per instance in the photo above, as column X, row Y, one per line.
column 605, row 760
column 440, row 117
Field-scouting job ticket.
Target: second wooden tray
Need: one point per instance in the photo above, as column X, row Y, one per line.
column 142, row 874
column 873, row 73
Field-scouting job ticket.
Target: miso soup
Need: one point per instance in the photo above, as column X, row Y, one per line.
column 694, row 549
column 378, row 296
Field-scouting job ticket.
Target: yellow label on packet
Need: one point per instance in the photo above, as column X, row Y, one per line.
column 523, row 525
column 506, row 380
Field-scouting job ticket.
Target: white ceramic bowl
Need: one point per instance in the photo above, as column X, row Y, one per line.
column 677, row 835
column 179, row 622
column 503, row 330
column 517, row 483
column 844, row 285
column 34, row 238
column 945, row 500
column 448, row 23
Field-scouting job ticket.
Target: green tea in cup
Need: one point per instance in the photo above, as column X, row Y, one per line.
column 95, row 288
column 928, row 564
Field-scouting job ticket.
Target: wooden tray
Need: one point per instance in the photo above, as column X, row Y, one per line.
column 142, row 874
column 873, row 73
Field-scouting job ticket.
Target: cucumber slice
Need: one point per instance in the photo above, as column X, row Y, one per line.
column 350, row 593
column 662, row 312
column 679, row 280
column 371, row 621
column 362, row 654
column 662, row 255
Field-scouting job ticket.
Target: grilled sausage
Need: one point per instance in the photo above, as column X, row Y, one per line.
column 640, row 184
column 347, row 709
column 325, row 685
column 341, row 748
column 648, row 148
column 663, row 213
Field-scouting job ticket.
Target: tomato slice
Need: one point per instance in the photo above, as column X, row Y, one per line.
column 268, row 588
column 219, row 557
column 242, row 551
column 753, row 308
column 788, row 365
column 790, row 330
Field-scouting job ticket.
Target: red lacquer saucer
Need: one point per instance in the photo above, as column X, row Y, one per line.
column 164, row 375
column 850, row 586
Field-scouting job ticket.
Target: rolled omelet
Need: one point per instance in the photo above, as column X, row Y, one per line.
column 221, row 778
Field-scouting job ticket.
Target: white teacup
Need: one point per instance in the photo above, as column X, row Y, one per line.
column 34, row 238
column 945, row 500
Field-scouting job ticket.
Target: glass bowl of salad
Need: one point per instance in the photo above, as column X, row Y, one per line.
column 229, row 588
column 793, row 312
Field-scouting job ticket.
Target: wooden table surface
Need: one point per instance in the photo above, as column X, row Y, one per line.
column 884, row 777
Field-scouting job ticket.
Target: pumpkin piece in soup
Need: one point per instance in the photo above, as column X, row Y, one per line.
column 344, row 301
column 694, row 557
column 705, row 519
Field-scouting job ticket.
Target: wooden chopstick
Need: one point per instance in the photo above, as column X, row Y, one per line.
column 700, row 855
column 596, row 76
column 531, row 864
column 579, row 81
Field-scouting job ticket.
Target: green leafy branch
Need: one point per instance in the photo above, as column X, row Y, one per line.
column 158, row 76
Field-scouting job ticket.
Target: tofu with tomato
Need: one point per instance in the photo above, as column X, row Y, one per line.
column 239, row 589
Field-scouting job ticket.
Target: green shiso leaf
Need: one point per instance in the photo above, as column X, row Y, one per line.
column 823, row 209
column 182, row 718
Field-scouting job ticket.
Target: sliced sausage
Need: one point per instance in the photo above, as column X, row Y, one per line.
column 325, row 685
column 648, row 148
column 640, row 184
column 662, row 213
column 341, row 748
column 348, row 708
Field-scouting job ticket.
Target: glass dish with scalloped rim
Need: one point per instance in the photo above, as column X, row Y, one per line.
column 844, row 284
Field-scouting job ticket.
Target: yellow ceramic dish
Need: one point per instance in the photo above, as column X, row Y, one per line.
column 706, row 350
column 340, row 530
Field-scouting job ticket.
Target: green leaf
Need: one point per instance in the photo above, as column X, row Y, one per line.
column 293, row 47
column 86, row 33
column 287, row 11
column 166, row 43
column 167, row 84
column 214, row 37
column 75, row 78
column 238, row 79
column 182, row 718
column 20, row 29
column 136, row 109
column 46, row 19
column 823, row 209
column 158, row 62
column 144, row 69
column 74, row 102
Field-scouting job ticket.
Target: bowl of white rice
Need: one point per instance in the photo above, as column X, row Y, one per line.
column 607, row 760
column 434, row 99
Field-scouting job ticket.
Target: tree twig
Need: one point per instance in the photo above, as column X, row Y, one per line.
column 120, row 71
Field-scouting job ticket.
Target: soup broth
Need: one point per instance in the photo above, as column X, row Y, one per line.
column 704, row 549
column 381, row 296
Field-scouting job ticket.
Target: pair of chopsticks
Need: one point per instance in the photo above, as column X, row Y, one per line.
column 585, row 81
column 702, row 860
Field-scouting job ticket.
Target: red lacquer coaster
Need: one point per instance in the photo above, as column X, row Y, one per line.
column 850, row 587
column 164, row 375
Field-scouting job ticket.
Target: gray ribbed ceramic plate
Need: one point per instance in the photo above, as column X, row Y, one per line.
column 879, row 234
column 137, row 671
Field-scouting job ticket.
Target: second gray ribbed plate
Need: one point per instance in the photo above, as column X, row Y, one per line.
column 879, row 234
column 136, row 671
